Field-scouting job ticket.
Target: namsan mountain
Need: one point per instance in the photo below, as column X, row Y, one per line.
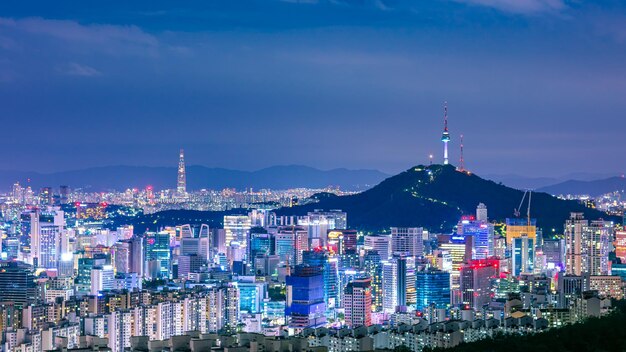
column 436, row 196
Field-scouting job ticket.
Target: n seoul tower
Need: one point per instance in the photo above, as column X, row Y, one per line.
column 445, row 138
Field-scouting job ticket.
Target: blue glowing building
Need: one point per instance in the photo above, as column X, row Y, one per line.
column 305, row 305
column 433, row 289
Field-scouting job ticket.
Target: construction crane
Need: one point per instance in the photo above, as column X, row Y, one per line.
column 517, row 210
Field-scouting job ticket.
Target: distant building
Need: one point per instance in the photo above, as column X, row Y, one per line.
column 291, row 241
column 237, row 229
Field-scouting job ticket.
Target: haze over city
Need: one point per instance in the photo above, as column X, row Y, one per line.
column 535, row 86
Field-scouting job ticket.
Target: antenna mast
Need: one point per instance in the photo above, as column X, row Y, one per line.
column 462, row 161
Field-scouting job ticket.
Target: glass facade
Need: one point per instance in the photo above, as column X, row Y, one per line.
column 433, row 288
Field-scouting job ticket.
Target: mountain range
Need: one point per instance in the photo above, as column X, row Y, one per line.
column 434, row 197
column 592, row 188
column 198, row 177
column 526, row 182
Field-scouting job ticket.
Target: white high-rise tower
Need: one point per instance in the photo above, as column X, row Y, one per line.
column 181, row 186
column 445, row 138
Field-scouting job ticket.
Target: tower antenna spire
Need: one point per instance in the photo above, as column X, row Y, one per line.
column 462, row 160
column 445, row 138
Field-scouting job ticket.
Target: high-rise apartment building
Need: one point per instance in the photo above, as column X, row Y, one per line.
column 358, row 303
column 587, row 246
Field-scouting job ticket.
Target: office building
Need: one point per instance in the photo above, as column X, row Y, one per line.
column 373, row 266
column 433, row 289
column 291, row 241
column 341, row 241
column 157, row 254
column 398, row 283
column 305, row 307
column 358, row 303
column 237, row 229
column 379, row 243
column 476, row 283
column 330, row 269
column 17, row 283
column 407, row 241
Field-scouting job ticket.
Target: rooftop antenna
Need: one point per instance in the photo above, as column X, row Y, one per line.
column 462, row 161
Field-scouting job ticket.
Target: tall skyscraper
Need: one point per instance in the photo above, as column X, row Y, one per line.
column 575, row 251
column 305, row 305
column 35, row 233
column 481, row 231
column 587, row 246
column 358, row 303
column 373, row 266
column 476, row 283
column 521, row 239
column 445, row 138
column 157, row 254
column 330, row 270
column 181, row 185
column 46, row 197
column 522, row 255
column 64, row 192
column 398, row 283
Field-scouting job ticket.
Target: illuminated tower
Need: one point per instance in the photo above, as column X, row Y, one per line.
column 181, row 187
column 445, row 138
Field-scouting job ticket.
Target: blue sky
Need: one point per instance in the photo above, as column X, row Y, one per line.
column 537, row 87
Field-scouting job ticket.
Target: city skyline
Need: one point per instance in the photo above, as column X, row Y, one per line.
column 248, row 85
column 352, row 175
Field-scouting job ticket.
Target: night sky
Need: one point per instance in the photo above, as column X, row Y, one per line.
column 538, row 87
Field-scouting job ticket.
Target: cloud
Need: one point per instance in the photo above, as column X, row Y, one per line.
column 74, row 69
column 112, row 39
column 521, row 6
